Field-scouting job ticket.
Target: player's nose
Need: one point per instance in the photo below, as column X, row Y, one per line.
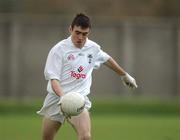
column 80, row 36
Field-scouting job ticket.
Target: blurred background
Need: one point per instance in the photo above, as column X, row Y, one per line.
column 142, row 35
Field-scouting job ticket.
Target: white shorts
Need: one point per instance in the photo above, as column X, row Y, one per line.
column 51, row 109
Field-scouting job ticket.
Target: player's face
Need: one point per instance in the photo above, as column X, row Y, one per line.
column 79, row 36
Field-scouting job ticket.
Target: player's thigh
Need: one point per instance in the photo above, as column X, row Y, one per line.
column 50, row 127
column 81, row 123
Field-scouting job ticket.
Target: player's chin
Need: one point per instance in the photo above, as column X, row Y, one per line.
column 79, row 45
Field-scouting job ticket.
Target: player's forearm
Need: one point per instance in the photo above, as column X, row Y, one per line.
column 56, row 87
column 112, row 64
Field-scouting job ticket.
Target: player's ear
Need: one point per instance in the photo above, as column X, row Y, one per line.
column 70, row 29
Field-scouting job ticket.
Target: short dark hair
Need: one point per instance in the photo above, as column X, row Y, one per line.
column 81, row 20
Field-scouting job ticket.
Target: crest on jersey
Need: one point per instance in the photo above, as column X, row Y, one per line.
column 70, row 57
column 90, row 58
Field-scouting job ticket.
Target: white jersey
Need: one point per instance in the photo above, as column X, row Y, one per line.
column 73, row 66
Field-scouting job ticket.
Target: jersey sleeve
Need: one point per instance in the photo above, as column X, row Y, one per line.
column 53, row 65
column 101, row 58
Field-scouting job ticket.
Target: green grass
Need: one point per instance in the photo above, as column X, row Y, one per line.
column 136, row 128
column 119, row 119
column 105, row 127
column 19, row 127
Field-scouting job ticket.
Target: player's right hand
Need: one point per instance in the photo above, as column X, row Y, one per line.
column 67, row 116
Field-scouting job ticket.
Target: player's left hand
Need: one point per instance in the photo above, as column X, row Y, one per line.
column 67, row 116
column 129, row 81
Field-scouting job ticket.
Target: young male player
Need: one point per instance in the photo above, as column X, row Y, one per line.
column 69, row 68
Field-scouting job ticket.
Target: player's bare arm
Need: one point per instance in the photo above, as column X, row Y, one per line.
column 126, row 78
column 112, row 64
column 56, row 87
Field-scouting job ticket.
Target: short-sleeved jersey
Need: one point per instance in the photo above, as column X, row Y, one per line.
column 73, row 66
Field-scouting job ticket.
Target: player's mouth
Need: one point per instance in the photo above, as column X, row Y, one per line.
column 79, row 42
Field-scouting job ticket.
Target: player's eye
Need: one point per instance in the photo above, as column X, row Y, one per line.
column 78, row 33
column 85, row 34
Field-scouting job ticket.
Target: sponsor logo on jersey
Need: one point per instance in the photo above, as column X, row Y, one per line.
column 78, row 74
column 80, row 69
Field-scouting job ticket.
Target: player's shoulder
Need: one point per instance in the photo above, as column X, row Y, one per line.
column 92, row 44
column 61, row 45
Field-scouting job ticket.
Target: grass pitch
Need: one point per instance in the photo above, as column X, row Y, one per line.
column 126, row 120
